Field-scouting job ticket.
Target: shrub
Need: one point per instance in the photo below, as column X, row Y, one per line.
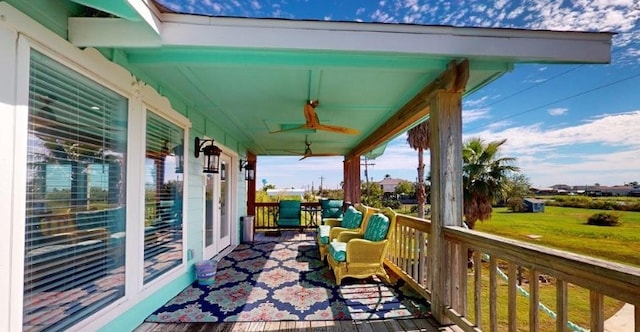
column 392, row 203
column 604, row 219
column 516, row 204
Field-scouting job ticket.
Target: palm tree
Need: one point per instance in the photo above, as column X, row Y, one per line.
column 484, row 177
column 418, row 139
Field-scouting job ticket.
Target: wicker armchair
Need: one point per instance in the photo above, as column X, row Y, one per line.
column 361, row 255
column 354, row 220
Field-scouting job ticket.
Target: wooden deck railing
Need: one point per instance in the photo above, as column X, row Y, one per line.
column 485, row 298
column 265, row 215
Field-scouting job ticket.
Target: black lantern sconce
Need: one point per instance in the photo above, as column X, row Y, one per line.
column 211, row 155
column 178, row 151
column 249, row 170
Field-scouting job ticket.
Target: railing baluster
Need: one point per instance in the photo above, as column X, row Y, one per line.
column 493, row 289
column 512, row 274
column 422, row 258
column 414, row 254
column 477, row 286
column 534, row 300
column 596, row 302
column 403, row 246
column 561, row 305
column 462, row 278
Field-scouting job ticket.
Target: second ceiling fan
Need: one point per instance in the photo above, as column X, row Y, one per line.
column 308, row 153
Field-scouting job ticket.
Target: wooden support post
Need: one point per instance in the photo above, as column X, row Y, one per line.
column 446, row 192
column 351, row 179
column 346, row 180
column 251, row 186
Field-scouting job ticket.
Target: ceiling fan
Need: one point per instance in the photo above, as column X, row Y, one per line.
column 312, row 122
column 308, row 153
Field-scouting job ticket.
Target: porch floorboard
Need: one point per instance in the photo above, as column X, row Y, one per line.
column 396, row 325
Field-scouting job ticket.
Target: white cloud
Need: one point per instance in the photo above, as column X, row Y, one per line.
column 557, row 111
column 475, row 102
column 471, row 115
column 499, row 4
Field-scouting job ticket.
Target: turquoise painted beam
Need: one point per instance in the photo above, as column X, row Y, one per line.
column 263, row 57
column 305, row 59
column 119, row 8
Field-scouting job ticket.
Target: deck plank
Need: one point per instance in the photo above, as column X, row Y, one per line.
column 400, row 325
column 318, row 326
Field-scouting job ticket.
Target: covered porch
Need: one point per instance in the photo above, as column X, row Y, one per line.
column 491, row 295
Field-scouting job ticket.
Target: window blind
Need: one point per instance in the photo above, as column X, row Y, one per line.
column 163, row 196
column 75, row 204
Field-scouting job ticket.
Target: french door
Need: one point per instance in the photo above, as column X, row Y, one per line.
column 217, row 220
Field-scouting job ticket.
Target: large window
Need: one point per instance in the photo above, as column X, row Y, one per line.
column 75, row 204
column 163, row 196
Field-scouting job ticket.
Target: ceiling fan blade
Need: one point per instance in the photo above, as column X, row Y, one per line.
column 304, row 126
column 337, row 129
column 325, row 155
column 304, row 157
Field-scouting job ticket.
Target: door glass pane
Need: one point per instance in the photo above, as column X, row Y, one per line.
column 75, row 204
column 208, row 220
column 224, row 225
column 163, row 197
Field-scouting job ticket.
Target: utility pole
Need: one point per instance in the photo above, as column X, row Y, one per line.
column 321, row 179
column 366, row 171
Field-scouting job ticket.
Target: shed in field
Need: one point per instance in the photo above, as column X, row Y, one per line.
column 534, row 205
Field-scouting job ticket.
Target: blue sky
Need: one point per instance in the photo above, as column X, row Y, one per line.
column 570, row 124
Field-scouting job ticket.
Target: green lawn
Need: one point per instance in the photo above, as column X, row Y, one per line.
column 566, row 229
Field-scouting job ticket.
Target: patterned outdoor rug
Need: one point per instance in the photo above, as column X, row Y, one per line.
column 271, row 281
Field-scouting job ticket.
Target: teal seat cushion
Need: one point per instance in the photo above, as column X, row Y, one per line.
column 289, row 213
column 323, row 233
column 352, row 218
column 338, row 250
column 377, row 228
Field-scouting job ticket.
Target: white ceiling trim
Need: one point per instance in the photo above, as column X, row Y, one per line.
column 101, row 32
column 499, row 44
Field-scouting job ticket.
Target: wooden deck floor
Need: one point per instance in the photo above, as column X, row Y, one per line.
column 395, row 325
column 398, row 325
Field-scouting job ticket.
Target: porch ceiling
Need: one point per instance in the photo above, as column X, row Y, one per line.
column 253, row 76
column 253, row 93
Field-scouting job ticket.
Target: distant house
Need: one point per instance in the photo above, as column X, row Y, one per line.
column 389, row 184
column 534, row 205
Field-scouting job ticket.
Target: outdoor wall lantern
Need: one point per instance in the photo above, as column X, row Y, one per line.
column 249, row 170
column 178, row 151
column 211, row 155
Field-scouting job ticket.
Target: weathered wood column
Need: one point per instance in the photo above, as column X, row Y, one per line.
column 351, row 175
column 251, row 185
column 445, row 125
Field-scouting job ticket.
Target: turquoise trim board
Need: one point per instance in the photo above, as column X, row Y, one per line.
column 133, row 317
